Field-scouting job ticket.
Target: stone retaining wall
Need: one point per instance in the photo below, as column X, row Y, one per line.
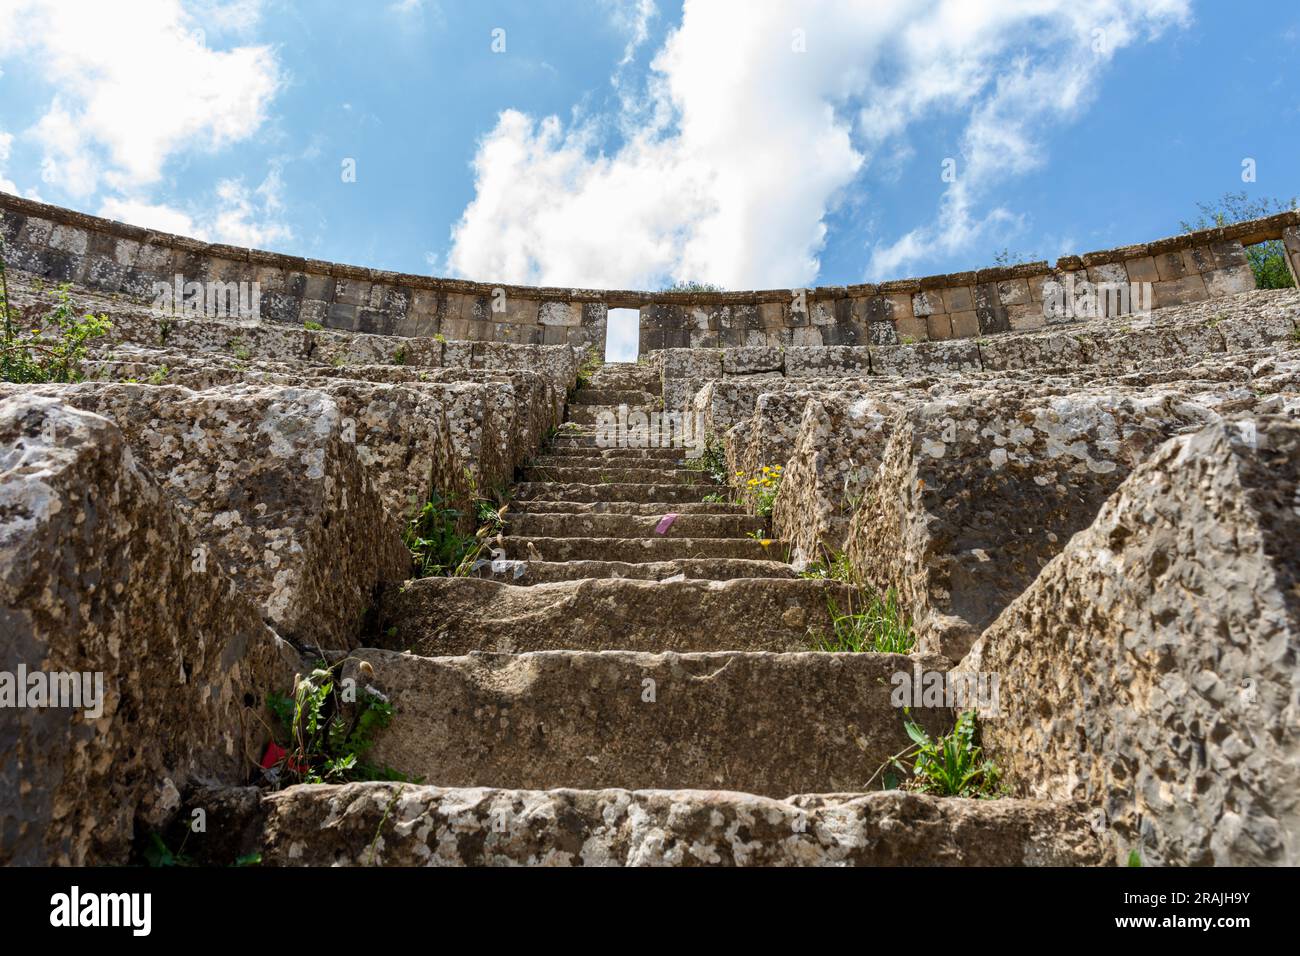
column 108, row 256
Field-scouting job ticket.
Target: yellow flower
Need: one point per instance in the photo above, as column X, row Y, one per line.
column 765, row 542
column 740, row 474
column 752, row 482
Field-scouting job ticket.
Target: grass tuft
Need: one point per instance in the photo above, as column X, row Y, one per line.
column 880, row 628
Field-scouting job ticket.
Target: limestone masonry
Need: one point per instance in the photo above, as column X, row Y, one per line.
column 1080, row 484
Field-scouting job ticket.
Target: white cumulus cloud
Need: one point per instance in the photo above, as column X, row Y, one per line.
column 763, row 117
column 135, row 87
column 235, row 214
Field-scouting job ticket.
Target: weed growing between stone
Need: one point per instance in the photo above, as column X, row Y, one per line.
column 157, row 377
column 330, row 726
column 590, row 365
column 36, row 356
column 434, row 536
column 949, row 766
column 880, row 628
column 712, row 461
column 158, row 854
column 765, row 486
column 838, row 568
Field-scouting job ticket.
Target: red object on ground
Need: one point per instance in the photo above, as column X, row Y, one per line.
column 274, row 754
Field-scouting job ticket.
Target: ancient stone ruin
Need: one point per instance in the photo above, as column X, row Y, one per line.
column 632, row 614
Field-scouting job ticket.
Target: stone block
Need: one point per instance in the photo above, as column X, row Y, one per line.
column 938, row 327
column 975, row 495
column 1013, row 292
column 824, row 311
column 771, row 315
column 912, row 329
column 1027, row 317
column 352, row 292
column 1142, row 270
column 98, row 576
column 925, row 304
column 1171, row 266
column 958, row 299
column 1189, row 289
column 1229, row 281
column 965, row 324
column 746, row 361
column 69, row 239
column 1172, row 712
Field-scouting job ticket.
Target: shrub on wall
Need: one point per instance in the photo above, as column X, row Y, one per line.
column 1267, row 259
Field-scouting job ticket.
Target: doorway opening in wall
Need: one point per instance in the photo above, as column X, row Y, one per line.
column 623, row 335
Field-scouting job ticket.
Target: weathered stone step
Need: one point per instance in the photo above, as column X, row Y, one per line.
column 589, row 439
column 636, row 551
column 397, row 824
column 695, row 569
column 616, row 473
column 568, row 453
column 619, row 491
column 451, row 616
column 544, row 525
column 626, row 375
column 658, row 508
column 765, row 723
column 596, row 414
column 614, row 397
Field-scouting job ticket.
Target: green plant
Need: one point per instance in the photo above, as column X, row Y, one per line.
column 765, row 486
column 949, row 766
column 716, row 498
column 1134, row 858
column 374, row 844
column 433, row 536
column 51, row 352
column 328, row 733
column 1267, row 259
column 881, row 628
column 239, row 348
column 159, row 854
column 399, row 357
column 839, row 568
column 587, row 370
column 436, row 538
column 158, row 376
column 712, row 461
column 1007, row 258
column 313, row 326
column 685, row 285
column 439, row 337
column 907, row 340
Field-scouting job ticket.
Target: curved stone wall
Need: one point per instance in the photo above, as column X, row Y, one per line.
column 66, row 246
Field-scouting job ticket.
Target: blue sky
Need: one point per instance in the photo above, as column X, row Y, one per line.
column 627, row 143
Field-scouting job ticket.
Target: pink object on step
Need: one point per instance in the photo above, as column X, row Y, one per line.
column 665, row 523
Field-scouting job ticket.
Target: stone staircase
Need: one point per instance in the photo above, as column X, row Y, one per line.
column 634, row 685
